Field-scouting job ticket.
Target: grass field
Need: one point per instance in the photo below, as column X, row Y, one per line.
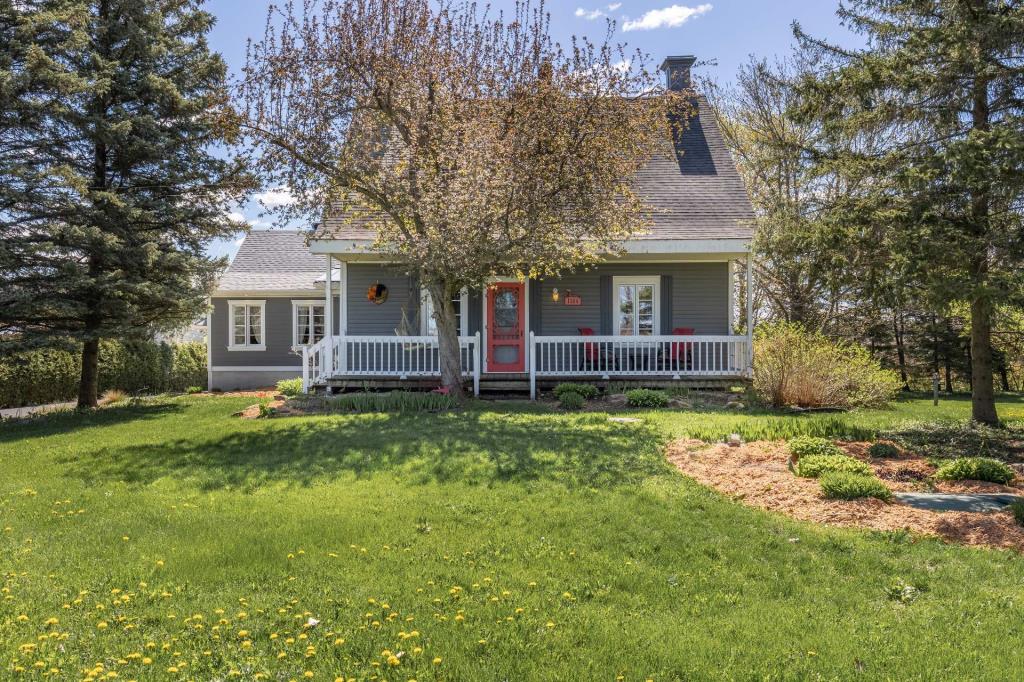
column 168, row 540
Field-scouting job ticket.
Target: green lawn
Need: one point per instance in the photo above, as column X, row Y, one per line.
column 169, row 540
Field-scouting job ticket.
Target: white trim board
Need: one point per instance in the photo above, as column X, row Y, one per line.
column 631, row 246
column 269, row 293
column 256, row 368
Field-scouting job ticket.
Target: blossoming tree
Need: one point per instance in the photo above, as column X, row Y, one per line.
column 470, row 144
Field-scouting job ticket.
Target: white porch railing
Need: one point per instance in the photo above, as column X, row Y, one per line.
column 401, row 357
column 673, row 356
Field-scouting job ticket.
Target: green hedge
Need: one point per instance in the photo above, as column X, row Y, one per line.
column 49, row 375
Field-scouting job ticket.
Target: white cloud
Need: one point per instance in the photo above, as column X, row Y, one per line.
column 278, row 196
column 614, row 6
column 589, row 15
column 237, row 216
column 669, row 17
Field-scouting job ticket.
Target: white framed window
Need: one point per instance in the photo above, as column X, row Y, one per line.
column 308, row 321
column 636, row 301
column 428, row 325
column 248, row 325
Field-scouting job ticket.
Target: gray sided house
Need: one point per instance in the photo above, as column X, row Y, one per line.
column 661, row 312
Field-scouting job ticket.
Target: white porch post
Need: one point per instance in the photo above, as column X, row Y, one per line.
column 750, row 314
column 328, row 318
column 533, row 367
column 305, row 369
column 476, row 365
column 343, row 314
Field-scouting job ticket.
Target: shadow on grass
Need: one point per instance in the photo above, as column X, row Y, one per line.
column 69, row 421
column 474, row 447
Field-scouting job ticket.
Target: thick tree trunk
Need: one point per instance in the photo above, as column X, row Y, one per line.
column 447, row 340
column 89, row 383
column 983, row 399
column 901, row 351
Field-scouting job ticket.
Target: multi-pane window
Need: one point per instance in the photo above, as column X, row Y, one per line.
column 428, row 327
column 247, row 325
column 637, row 311
column 308, row 317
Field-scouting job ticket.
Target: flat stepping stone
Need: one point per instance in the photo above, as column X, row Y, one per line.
column 625, row 420
column 961, row 502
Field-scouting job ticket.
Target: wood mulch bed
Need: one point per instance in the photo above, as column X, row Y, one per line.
column 756, row 474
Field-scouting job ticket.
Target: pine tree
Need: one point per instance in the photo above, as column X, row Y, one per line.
column 109, row 188
column 944, row 81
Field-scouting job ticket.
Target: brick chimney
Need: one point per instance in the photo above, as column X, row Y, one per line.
column 677, row 71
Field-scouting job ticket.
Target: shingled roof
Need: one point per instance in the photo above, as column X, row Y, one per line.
column 270, row 260
column 695, row 193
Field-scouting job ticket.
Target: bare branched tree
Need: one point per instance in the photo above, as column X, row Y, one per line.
column 468, row 143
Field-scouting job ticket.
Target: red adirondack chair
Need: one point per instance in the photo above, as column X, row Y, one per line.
column 680, row 350
column 593, row 354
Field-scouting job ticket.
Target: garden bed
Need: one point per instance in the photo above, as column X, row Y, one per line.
column 756, row 474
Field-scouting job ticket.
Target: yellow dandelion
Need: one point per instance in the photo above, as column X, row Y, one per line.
column 393, row 661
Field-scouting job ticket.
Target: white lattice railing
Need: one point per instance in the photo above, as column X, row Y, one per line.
column 401, row 357
column 662, row 356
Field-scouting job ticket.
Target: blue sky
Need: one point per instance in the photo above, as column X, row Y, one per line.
column 724, row 31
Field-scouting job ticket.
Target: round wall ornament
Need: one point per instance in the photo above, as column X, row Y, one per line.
column 377, row 293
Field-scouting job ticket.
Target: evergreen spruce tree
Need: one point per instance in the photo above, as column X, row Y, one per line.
column 944, row 79
column 109, row 190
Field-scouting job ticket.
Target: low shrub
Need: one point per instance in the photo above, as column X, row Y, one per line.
column 1017, row 509
column 47, row 375
column 194, row 389
column 794, row 366
column 587, row 391
column 883, row 450
column 393, row 401
column 975, row 469
column 646, row 397
column 814, row 466
column 571, row 400
column 950, row 439
column 289, row 387
column 843, row 485
column 802, row 446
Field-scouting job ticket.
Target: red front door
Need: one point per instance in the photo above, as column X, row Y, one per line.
column 506, row 327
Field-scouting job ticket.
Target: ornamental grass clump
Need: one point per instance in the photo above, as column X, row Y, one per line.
column 797, row 367
column 814, row 466
column 843, row 485
column 802, row 446
column 1017, row 509
column 571, row 400
column 586, row 391
column 393, row 401
column 646, row 397
column 975, row 469
column 883, row 450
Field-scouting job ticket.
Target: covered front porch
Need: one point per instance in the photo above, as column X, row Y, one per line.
column 639, row 320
